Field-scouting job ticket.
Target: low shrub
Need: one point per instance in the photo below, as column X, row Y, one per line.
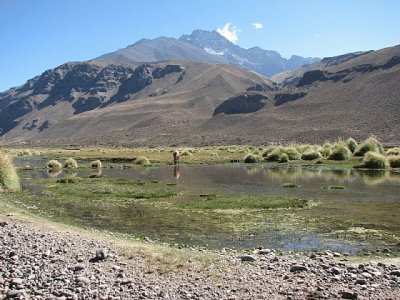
column 96, row 164
column 186, row 152
column 373, row 160
column 371, row 144
column 311, row 155
column 394, row 161
column 143, row 161
column 251, row 159
column 340, row 152
column 70, row 163
column 9, row 180
column 351, row 144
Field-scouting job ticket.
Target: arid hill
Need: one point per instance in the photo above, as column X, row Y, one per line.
column 188, row 103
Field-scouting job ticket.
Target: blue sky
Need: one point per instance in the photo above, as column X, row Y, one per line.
column 42, row 34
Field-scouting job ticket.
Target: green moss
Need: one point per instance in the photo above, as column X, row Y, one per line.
column 246, row 202
column 290, row 185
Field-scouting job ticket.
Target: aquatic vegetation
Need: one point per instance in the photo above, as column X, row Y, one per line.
column 70, row 163
column 290, row 185
column 9, row 179
column 246, row 202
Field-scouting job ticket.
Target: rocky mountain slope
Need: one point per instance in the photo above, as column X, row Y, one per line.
column 189, row 103
column 265, row 62
column 208, row 47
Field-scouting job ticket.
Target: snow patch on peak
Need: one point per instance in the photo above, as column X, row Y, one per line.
column 213, row 52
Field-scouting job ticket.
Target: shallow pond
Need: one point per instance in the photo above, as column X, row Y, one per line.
column 354, row 209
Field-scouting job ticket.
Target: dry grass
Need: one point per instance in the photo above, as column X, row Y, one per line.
column 9, row 180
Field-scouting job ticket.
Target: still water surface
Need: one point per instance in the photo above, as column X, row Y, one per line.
column 360, row 215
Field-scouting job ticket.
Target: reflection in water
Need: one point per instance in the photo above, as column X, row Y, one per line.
column 176, row 173
column 54, row 172
column 96, row 172
column 369, row 200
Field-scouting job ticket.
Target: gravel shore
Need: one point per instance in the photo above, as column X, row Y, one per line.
column 43, row 263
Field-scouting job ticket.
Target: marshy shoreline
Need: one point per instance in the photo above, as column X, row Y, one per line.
column 40, row 260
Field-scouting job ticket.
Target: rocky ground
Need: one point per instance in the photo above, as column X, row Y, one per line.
column 41, row 263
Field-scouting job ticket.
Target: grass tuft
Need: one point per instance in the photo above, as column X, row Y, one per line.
column 394, row 161
column 70, row 163
column 96, row 164
column 54, row 165
column 351, row 144
column 371, row 144
column 143, row 161
column 311, row 155
column 373, row 160
column 9, row 180
column 340, row 152
column 251, row 159
column 393, row 151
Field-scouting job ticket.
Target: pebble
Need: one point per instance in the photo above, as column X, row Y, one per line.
column 54, row 265
column 298, row 268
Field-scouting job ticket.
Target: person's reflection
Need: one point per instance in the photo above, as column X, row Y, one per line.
column 176, row 172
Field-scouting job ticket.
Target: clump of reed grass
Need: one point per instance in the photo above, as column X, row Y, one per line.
column 54, row 165
column 311, row 155
column 351, row 144
column 371, row 144
column 251, row 159
column 96, row 164
column 186, row 152
column 373, row 160
column 393, row 151
column 340, row 152
column 142, row 160
column 284, row 158
column 274, row 155
column 9, row 180
column 394, row 161
column 292, row 153
column 70, row 163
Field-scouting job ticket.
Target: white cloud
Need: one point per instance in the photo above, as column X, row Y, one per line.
column 257, row 25
column 229, row 32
